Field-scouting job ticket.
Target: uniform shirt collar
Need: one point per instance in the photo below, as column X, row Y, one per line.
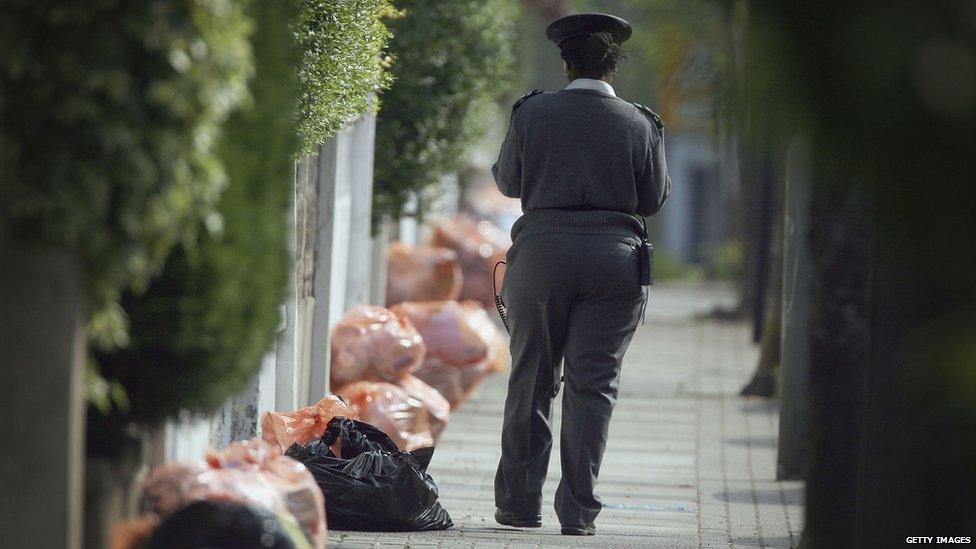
column 591, row 84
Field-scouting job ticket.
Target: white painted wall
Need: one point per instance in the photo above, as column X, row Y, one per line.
column 360, row 256
column 408, row 229
column 335, row 268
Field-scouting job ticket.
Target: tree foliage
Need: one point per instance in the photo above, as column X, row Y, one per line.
column 677, row 56
column 110, row 112
column 342, row 65
column 200, row 330
column 452, row 59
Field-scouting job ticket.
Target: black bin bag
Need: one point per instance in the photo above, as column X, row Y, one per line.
column 372, row 484
column 224, row 525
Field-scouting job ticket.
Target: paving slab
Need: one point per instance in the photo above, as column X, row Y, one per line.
column 689, row 464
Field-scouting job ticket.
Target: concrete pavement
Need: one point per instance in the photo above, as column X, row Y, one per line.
column 689, row 463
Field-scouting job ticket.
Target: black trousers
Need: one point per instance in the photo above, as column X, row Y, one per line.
column 573, row 299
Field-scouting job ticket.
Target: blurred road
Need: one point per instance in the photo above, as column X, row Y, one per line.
column 689, row 463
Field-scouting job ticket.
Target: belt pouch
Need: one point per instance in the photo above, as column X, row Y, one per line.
column 646, row 263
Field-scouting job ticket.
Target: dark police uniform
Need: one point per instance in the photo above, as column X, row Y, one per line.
column 585, row 164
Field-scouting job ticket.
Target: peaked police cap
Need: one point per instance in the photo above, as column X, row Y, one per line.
column 588, row 23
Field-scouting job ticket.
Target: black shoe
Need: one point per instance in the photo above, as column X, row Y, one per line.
column 517, row 521
column 588, row 530
column 762, row 384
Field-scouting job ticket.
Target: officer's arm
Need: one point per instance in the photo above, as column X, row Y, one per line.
column 654, row 184
column 508, row 169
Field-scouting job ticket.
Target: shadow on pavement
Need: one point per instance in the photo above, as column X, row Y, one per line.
column 763, row 497
column 755, row 442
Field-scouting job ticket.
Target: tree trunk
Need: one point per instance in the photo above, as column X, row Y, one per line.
column 42, row 346
column 794, row 373
column 764, row 379
column 840, row 246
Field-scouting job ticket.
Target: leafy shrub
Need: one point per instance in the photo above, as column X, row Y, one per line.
column 110, row 112
column 199, row 331
column 450, row 56
column 342, row 67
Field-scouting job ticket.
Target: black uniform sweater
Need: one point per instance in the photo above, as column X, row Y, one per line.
column 582, row 149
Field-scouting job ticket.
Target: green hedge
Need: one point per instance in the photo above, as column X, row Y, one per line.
column 342, row 65
column 452, row 59
column 200, row 330
column 116, row 141
column 110, row 112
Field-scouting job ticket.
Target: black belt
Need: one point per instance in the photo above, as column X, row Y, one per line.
column 586, row 208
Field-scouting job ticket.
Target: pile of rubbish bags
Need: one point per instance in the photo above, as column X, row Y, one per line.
column 352, row 476
column 357, row 459
column 406, row 366
column 250, row 484
column 463, row 346
column 374, row 353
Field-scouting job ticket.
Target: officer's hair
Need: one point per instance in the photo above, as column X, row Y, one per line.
column 591, row 55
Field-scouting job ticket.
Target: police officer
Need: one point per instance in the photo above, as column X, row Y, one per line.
column 585, row 165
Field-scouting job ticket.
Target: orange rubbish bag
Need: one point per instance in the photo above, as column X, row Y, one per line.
column 373, row 343
column 458, row 335
column 393, row 410
column 455, row 383
column 282, row 429
column 420, row 273
column 438, row 408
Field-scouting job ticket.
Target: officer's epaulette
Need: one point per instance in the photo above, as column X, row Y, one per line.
column 525, row 98
column 654, row 116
